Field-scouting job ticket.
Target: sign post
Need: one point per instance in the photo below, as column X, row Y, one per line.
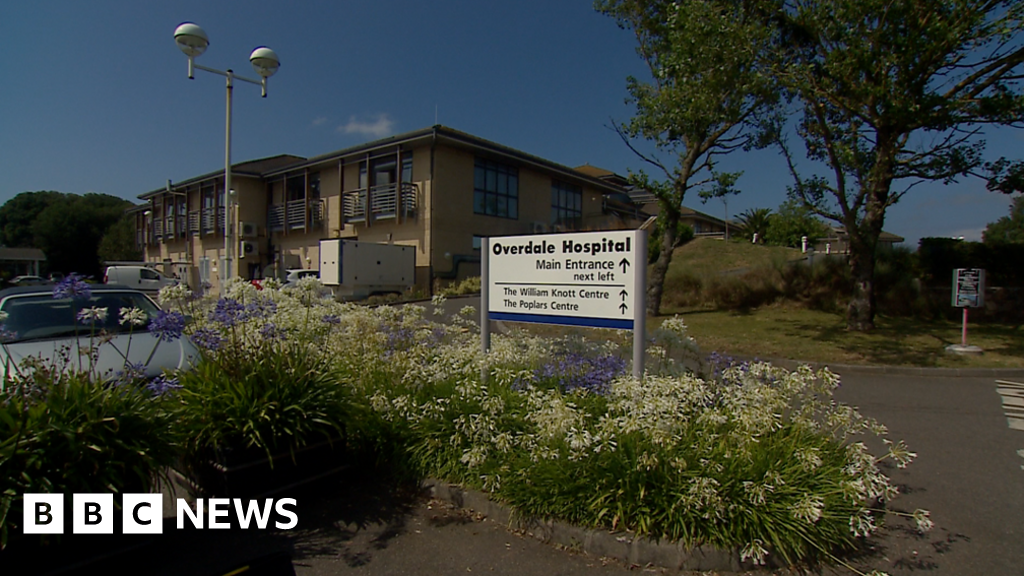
column 968, row 292
column 593, row 279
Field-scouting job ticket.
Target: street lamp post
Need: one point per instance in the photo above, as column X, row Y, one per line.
column 192, row 40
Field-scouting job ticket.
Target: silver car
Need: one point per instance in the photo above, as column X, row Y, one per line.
column 41, row 326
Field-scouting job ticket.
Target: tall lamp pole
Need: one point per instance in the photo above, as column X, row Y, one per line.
column 192, row 40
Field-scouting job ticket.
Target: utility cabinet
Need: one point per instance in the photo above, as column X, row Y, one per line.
column 355, row 270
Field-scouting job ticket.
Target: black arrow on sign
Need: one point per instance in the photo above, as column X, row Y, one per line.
column 623, row 307
column 623, row 294
column 624, row 263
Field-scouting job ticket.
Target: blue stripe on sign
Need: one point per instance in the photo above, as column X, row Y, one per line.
column 563, row 320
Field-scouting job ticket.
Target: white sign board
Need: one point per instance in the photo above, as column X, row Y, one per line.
column 968, row 287
column 578, row 279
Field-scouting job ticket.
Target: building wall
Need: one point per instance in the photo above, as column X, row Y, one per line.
column 455, row 224
column 442, row 230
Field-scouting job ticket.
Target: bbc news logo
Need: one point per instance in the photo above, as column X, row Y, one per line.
column 143, row 513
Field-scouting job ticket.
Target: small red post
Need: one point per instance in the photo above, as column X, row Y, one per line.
column 963, row 334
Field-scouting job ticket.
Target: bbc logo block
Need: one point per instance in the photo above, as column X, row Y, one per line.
column 143, row 513
column 44, row 514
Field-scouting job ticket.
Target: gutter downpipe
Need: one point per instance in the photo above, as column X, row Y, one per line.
column 430, row 253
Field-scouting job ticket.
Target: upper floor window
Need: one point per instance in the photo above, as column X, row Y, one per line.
column 496, row 189
column 385, row 171
column 314, row 186
column 295, row 186
column 566, row 205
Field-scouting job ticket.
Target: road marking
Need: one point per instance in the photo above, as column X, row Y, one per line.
column 1012, row 394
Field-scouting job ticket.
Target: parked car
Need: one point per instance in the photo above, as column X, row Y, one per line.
column 44, row 327
column 29, row 281
column 293, row 276
column 139, row 277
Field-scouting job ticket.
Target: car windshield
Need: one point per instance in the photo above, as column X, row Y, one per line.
column 34, row 316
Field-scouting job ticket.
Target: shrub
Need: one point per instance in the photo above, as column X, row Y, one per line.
column 263, row 382
column 281, row 399
column 749, row 456
column 470, row 285
column 72, row 434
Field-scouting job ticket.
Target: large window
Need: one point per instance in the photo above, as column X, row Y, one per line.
column 496, row 189
column 566, row 205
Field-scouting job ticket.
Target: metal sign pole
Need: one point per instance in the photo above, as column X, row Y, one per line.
column 640, row 309
column 485, row 301
column 963, row 331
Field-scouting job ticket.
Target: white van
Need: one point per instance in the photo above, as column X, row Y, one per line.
column 139, row 277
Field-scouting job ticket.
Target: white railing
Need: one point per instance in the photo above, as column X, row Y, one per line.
column 385, row 201
column 294, row 211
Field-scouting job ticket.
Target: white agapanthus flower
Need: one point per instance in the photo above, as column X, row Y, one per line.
column 93, row 314
column 132, row 316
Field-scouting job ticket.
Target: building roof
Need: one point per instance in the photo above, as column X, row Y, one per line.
column 606, row 175
column 654, row 208
column 455, row 137
column 22, row 254
column 839, row 232
column 250, row 168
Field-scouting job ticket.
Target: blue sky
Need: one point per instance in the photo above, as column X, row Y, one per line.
column 94, row 96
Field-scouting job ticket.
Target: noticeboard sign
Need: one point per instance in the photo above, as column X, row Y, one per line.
column 578, row 279
column 968, row 287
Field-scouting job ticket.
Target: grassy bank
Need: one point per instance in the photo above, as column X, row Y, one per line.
column 793, row 332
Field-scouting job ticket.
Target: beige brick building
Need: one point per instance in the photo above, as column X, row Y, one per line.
column 437, row 189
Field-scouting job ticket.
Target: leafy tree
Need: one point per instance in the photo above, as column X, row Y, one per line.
column 1008, row 229
column 684, row 233
column 755, row 221
column 69, row 231
column 894, row 93
column 119, row 242
column 18, row 214
column 707, row 87
column 791, row 222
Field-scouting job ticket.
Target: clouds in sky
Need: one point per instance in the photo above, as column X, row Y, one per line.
column 377, row 126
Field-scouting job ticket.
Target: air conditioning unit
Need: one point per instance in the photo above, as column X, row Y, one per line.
column 246, row 249
column 247, row 229
column 539, row 227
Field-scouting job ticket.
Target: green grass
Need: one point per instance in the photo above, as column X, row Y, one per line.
column 795, row 333
column 704, row 256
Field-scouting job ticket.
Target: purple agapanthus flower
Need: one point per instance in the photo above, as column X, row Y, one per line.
column 208, row 339
column 331, row 319
column 72, row 286
column 572, row 370
column 259, row 309
column 228, row 312
column 162, row 385
column 167, row 326
column 270, row 332
column 130, row 373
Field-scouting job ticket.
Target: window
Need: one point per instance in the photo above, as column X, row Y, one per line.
column 566, row 205
column 295, row 186
column 496, row 189
column 477, row 242
column 314, row 186
column 407, row 168
column 147, row 274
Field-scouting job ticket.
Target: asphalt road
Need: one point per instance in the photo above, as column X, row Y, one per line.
column 968, row 474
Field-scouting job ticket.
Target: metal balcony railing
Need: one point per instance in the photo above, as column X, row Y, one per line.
column 294, row 212
column 158, row 228
column 193, row 222
column 213, row 223
column 385, row 201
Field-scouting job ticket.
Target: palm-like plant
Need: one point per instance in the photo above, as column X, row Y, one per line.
column 755, row 221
